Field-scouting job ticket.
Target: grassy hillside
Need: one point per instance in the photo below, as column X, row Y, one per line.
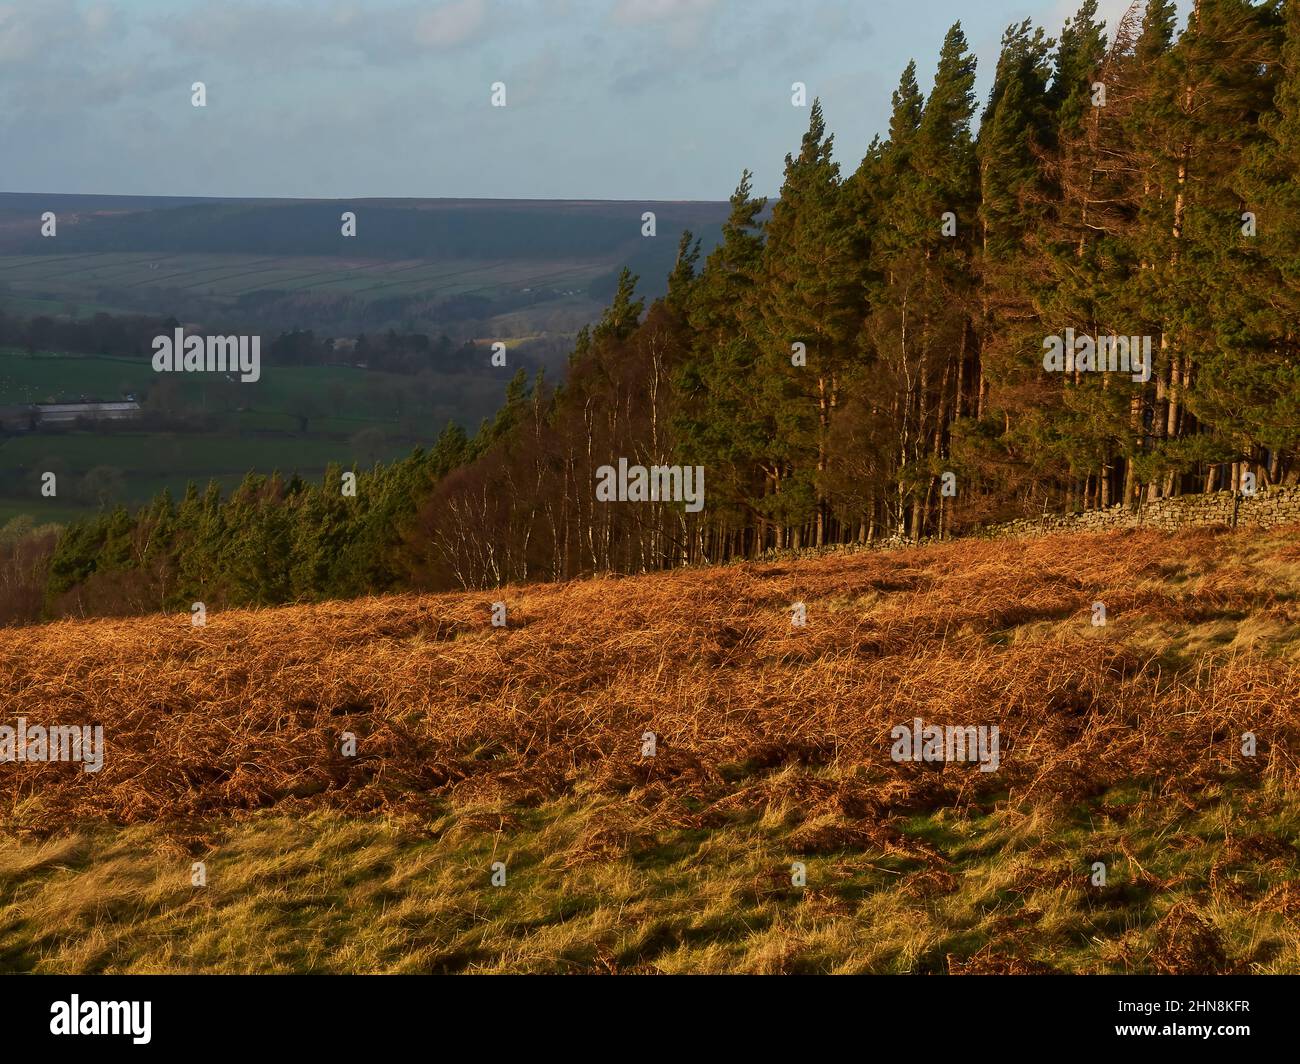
column 343, row 392
column 285, row 262
column 1119, row 744
column 387, row 228
column 226, row 277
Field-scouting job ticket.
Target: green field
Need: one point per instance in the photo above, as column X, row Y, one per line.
column 52, row 279
column 145, row 463
column 347, row 393
column 45, row 376
column 353, row 416
column 31, row 308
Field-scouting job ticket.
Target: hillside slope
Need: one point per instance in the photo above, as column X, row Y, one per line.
column 1119, row 744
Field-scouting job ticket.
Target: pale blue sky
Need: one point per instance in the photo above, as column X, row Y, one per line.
column 616, row 99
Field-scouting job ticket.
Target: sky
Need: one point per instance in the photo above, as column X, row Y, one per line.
column 607, row 99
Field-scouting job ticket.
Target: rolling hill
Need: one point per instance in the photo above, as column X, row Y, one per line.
column 530, row 272
column 410, row 261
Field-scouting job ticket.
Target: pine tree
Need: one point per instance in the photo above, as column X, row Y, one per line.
column 1015, row 132
column 719, row 420
column 923, row 301
column 624, row 312
column 807, row 297
column 1247, row 233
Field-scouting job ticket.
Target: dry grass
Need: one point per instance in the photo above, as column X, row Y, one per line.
column 773, row 746
column 247, row 712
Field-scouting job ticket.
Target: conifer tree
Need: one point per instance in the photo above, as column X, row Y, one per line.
column 919, row 329
column 807, row 298
column 1015, row 132
column 719, row 420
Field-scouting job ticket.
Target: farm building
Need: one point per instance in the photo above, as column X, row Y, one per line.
column 66, row 413
column 26, row 418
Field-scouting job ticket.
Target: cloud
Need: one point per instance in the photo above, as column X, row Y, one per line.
column 683, row 23
column 451, row 24
column 638, row 12
column 34, row 33
column 767, row 44
column 254, row 33
column 61, row 57
column 1108, row 11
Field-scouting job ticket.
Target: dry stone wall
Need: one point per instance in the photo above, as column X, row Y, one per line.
column 1269, row 507
column 1275, row 506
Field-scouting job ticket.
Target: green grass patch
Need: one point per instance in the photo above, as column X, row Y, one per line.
column 329, row 893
